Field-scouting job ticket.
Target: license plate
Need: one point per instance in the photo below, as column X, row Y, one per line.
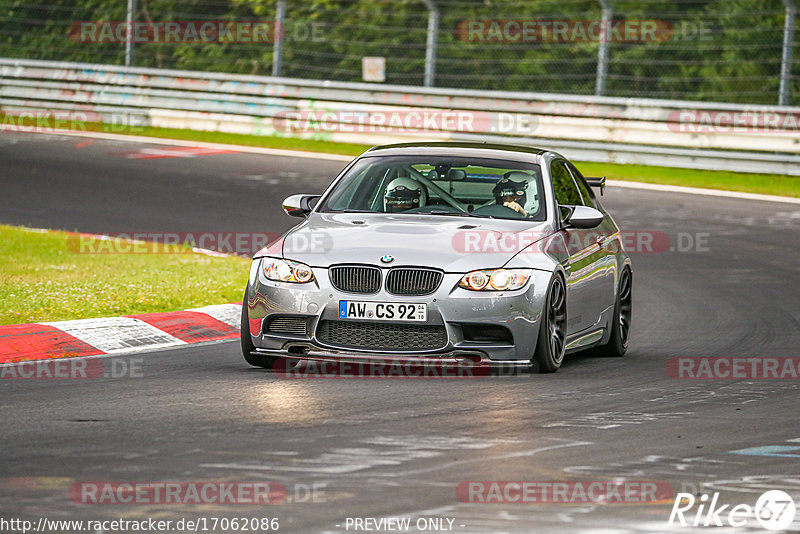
column 382, row 311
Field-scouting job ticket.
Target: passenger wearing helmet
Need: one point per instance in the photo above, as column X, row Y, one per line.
column 511, row 191
column 403, row 194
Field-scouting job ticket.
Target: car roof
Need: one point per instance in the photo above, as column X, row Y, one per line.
column 451, row 148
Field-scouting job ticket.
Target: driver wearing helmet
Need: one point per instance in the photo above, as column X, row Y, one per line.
column 511, row 191
column 403, row 194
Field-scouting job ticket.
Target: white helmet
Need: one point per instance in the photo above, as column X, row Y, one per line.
column 519, row 187
column 403, row 194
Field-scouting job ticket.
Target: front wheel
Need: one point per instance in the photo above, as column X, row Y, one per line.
column 552, row 328
column 256, row 360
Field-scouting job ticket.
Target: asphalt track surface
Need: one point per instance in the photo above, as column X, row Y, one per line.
column 400, row 448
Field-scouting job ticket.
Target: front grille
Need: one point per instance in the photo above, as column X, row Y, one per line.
column 288, row 324
column 413, row 281
column 382, row 336
column 355, row 278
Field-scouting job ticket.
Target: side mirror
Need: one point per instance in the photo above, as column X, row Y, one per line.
column 597, row 182
column 583, row 217
column 300, row 205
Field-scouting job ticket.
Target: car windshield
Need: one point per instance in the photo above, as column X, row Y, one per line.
column 439, row 185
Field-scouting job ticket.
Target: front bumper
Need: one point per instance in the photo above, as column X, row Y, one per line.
column 457, row 310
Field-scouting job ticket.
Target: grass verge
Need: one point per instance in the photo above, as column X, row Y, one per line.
column 765, row 184
column 264, row 141
column 45, row 278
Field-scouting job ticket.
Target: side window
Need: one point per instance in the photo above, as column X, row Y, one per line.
column 588, row 198
column 566, row 191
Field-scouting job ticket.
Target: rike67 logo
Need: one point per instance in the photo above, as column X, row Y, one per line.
column 774, row 510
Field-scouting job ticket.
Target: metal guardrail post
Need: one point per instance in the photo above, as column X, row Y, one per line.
column 433, row 39
column 786, row 58
column 130, row 50
column 278, row 37
column 602, row 52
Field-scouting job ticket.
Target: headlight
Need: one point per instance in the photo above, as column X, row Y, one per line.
column 495, row 279
column 287, row 271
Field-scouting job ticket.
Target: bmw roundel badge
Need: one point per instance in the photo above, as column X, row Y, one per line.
column 387, row 259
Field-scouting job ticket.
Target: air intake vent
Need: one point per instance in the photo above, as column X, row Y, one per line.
column 413, row 281
column 355, row 278
column 288, row 324
column 382, row 336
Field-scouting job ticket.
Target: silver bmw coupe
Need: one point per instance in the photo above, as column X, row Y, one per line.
column 493, row 254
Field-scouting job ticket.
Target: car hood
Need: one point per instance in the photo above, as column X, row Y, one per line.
column 454, row 244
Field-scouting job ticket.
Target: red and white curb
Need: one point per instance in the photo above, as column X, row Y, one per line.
column 177, row 152
column 118, row 335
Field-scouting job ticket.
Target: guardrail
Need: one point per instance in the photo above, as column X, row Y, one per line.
column 703, row 135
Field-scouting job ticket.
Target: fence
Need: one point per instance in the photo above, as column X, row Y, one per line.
column 645, row 131
column 741, row 51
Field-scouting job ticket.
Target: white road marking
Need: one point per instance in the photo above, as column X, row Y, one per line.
column 114, row 335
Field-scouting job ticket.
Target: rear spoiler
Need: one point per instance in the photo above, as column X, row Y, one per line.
column 597, row 182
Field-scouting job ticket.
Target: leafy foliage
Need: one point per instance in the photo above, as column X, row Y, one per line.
column 725, row 50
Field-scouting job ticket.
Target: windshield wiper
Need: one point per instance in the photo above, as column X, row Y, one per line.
column 456, row 214
column 349, row 210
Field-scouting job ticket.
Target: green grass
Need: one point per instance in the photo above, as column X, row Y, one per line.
column 46, row 277
column 265, row 141
column 769, row 184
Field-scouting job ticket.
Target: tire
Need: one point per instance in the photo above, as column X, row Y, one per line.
column 551, row 344
column 256, row 360
column 621, row 320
